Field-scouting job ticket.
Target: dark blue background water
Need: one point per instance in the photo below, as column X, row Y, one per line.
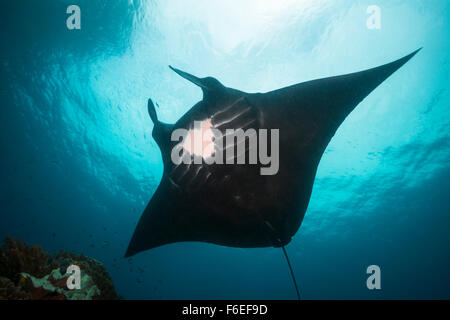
column 78, row 163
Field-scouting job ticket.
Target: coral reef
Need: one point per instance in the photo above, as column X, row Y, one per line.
column 92, row 267
column 16, row 257
column 30, row 273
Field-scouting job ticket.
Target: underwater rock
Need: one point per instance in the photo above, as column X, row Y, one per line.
column 32, row 274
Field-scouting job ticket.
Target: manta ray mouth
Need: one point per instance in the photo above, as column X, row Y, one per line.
column 200, row 140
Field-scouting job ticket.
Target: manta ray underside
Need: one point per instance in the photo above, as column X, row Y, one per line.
column 234, row 204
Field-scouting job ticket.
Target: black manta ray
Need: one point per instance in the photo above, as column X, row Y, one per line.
column 234, row 204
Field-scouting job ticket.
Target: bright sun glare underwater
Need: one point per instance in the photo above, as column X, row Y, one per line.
column 257, row 20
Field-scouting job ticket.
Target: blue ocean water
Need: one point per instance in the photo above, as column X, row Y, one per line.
column 79, row 164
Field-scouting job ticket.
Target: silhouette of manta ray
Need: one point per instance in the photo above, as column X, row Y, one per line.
column 234, row 204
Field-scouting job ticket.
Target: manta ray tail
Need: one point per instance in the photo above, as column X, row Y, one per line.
column 279, row 244
column 292, row 272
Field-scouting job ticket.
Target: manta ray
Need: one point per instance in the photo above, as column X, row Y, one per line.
column 232, row 203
